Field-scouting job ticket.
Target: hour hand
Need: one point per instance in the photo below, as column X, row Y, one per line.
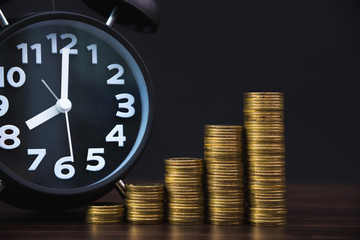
column 42, row 117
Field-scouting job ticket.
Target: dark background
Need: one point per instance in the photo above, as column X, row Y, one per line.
column 207, row 53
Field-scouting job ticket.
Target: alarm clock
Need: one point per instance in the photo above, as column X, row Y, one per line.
column 76, row 107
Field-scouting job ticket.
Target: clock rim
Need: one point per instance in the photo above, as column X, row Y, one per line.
column 13, row 180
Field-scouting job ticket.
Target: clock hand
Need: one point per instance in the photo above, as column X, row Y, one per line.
column 65, row 73
column 45, row 115
column 69, row 136
column 42, row 117
column 64, row 104
column 51, row 91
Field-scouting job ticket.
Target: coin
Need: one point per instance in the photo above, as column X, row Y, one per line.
column 105, row 213
column 223, row 154
column 145, row 203
column 184, row 181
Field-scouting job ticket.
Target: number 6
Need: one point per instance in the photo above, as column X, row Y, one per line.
column 60, row 166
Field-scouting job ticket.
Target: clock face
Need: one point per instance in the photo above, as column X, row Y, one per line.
column 75, row 104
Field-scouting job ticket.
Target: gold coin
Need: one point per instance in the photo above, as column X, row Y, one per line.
column 265, row 137
column 228, row 159
column 184, row 195
column 260, row 187
column 186, row 222
column 225, row 223
column 181, row 178
column 264, row 106
column 263, row 95
column 184, row 214
column 183, row 161
column 221, row 154
column 224, row 169
column 238, row 174
column 266, row 160
column 228, row 214
column 105, row 213
column 179, row 208
column 144, row 187
column 184, row 189
column 227, row 205
column 267, row 168
column 224, row 135
column 184, row 170
column 226, row 198
column 105, row 205
column 225, row 192
column 150, row 194
column 263, row 165
column 260, row 127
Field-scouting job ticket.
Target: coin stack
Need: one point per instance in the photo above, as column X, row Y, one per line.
column 184, row 181
column 105, row 213
column 223, row 154
column 264, row 126
column 145, row 203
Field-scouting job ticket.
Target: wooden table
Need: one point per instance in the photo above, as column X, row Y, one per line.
column 316, row 211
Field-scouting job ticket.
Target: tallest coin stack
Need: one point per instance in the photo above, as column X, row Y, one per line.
column 264, row 129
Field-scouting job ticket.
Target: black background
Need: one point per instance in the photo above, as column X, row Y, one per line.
column 207, row 53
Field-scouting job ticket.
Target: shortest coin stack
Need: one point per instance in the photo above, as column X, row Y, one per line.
column 185, row 189
column 145, row 203
column 105, row 213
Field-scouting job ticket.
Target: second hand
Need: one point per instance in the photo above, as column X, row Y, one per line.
column 47, row 86
column 69, row 136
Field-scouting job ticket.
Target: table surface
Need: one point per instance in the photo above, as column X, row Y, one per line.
column 315, row 211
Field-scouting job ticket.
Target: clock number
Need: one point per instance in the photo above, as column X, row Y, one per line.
column 127, row 104
column 116, row 80
column 117, row 135
column 54, row 44
column 63, row 170
column 37, row 48
column 4, row 105
column 73, row 41
column 93, row 49
column 53, row 41
column 11, row 75
column 2, row 80
column 40, row 156
column 92, row 157
column 24, row 52
column 9, row 137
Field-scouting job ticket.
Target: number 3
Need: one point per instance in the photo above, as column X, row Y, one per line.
column 128, row 105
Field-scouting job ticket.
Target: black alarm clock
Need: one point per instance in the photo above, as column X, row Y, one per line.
column 76, row 106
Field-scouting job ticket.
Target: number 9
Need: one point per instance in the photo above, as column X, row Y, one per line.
column 4, row 105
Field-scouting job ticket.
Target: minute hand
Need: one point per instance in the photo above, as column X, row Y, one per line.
column 65, row 73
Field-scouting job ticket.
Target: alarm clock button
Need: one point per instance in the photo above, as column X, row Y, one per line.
column 139, row 15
